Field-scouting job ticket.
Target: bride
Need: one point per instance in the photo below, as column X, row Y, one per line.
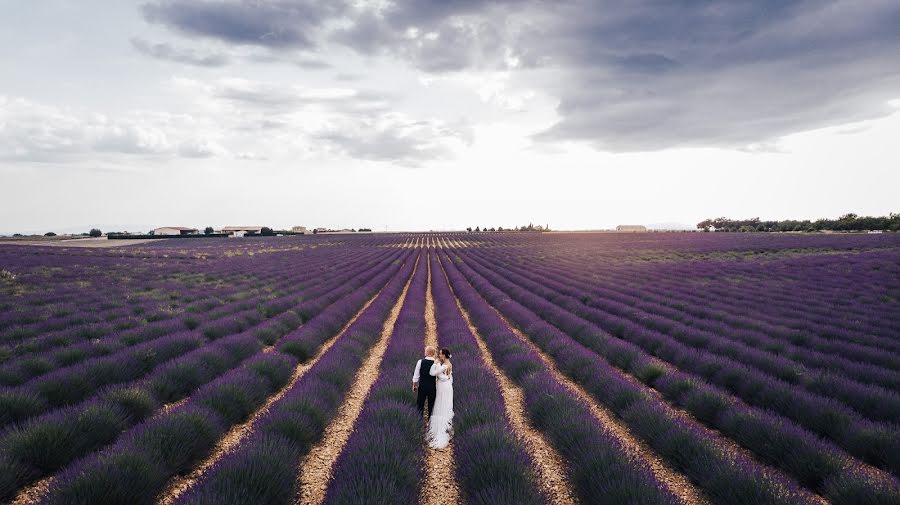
column 440, row 427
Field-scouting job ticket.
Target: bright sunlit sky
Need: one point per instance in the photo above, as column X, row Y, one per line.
column 439, row 114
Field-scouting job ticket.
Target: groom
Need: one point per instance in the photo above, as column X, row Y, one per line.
column 423, row 381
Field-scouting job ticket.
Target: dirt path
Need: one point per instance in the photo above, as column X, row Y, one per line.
column 180, row 484
column 33, row 493
column 550, row 467
column 82, row 242
column 315, row 471
column 440, row 480
column 676, row 482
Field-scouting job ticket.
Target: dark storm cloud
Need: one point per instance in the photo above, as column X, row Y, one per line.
column 653, row 75
column 639, row 75
column 273, row 24
column 163, row 51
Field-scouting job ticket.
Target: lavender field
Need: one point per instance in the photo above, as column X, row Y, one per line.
column 671, row 368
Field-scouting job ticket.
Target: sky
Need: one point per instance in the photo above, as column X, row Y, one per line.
column 443, row 114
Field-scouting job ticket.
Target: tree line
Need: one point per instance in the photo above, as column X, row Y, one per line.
column 847, row 222
column 530, row 227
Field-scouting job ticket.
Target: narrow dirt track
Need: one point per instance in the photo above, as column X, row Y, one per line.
column 676, row 482
column 316, row 468
column 550, row 466
column 32, row 494
column 440, row 480
column 180, row 484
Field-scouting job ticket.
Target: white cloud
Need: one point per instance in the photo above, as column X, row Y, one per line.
column 31, row 131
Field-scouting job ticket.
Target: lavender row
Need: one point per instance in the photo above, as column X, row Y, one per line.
column 600, row 470
column 170, row 383
column 664, row 288
column 264, row 469
column 45, row 444
column 382, row 461
column 180, row 289
column 137, row 467
column 677, row 306
column 795, row 308
column 308, row 338
column 492, row 467
column 71, row 385
column 816, row 463
column 615, row 253
column 874, row 402
column 875, row 443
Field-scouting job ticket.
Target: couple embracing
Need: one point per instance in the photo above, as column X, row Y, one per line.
column 433, row 381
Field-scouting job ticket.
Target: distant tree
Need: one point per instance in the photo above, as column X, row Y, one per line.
column 499, row 228
column 49, row 234
column 493, row 229
column 208, row 230
column 315, row 231
column 469, row 229
column 18, row 235
column 95, row 232
column 267, row 232
column 477, row 228
column 847, row 222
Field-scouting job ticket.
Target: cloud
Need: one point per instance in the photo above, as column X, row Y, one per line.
column 354, row 123
column 163, row 51
column 652, row 76
column 628, row 76
column 34, row 132
column 394, row 138
column 264, row 23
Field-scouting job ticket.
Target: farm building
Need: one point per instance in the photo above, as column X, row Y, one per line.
column 240, row 231
column 631, row 228
column 299, row 229
column 174, row 230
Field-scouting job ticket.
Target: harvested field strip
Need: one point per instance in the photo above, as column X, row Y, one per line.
column 548, row 462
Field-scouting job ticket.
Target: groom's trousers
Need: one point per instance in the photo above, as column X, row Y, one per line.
column 429, row 394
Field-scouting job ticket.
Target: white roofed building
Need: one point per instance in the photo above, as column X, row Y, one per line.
column 240, row 231
column 174, row 230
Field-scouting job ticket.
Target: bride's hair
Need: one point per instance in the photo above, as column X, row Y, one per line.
column 446, row 353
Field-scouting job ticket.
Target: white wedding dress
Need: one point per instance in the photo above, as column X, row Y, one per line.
column 440, row 424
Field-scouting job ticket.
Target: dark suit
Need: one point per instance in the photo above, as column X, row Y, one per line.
column 427, row 386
